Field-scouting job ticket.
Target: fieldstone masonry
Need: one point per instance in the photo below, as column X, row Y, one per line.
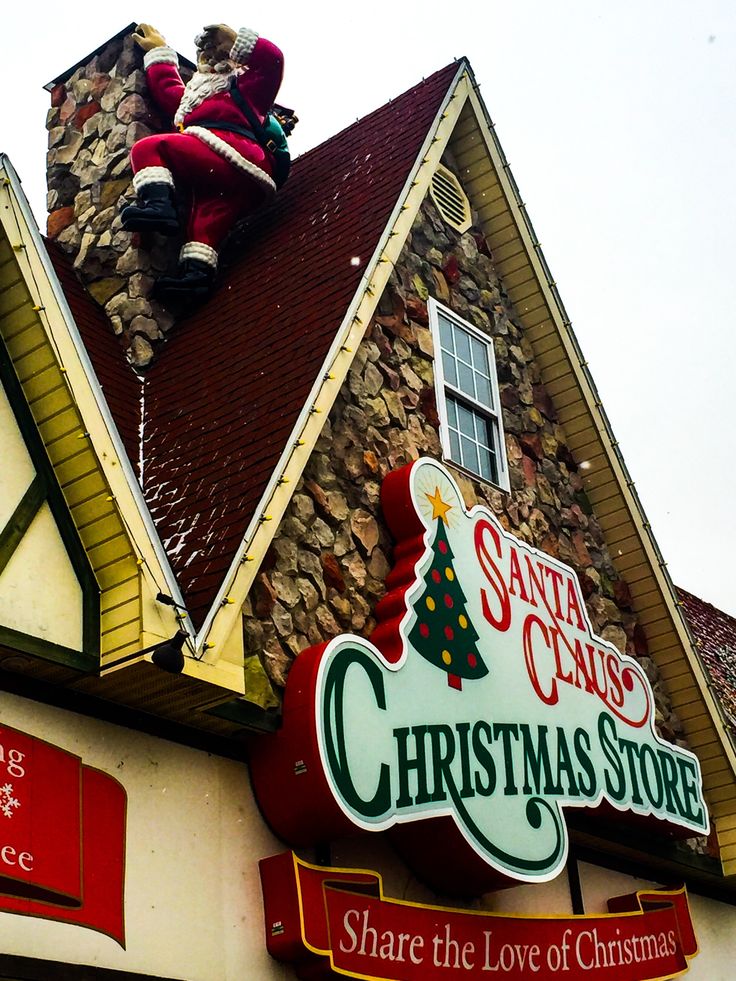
column 329, row 560
column 96, row 115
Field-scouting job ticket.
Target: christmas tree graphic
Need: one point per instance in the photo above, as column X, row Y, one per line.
column 443, row 633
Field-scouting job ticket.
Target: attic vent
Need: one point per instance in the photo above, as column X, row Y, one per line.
column 452, row 202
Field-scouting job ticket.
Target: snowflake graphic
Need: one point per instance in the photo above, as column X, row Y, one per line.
column 7, row 801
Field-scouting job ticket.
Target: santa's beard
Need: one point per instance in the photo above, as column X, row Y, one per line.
column 201, row 86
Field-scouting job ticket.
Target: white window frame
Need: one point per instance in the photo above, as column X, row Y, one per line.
column 443, row 388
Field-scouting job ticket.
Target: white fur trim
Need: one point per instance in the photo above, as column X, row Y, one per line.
column 243, row 45
column 199, row 88
column 232, row 156
column 152, row 175
column 160, row 56
column 198, row 250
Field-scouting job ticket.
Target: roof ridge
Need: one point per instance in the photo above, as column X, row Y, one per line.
column 361, row 120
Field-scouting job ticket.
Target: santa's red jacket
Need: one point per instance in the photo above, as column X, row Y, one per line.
column 207, row 100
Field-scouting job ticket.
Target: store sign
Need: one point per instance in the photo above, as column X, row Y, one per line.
column 483, row 696
column 62, row 836
column 339, row 920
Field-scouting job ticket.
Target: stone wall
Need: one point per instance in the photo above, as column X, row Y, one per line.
column 96, row 115
column 329, row 560
column 330, row 557
column 327, row 566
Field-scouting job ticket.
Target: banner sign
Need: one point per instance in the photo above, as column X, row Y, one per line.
column 62, row 836
column 330, row 922
column 483, row 698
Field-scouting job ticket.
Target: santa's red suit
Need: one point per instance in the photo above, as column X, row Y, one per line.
column 227, row 173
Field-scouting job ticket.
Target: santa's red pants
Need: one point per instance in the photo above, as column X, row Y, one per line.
column 221, row 193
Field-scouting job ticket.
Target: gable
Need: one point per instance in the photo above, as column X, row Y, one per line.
column 602, row 480
column 39, row 547
column 49, row 382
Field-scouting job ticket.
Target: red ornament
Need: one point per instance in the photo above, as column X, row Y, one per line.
column 424, row 630
column 448, row 601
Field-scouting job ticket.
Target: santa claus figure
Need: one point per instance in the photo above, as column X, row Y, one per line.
column 229, row 152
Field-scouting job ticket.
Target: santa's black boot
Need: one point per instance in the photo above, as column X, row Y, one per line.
column 155, row 211
column 193, row 282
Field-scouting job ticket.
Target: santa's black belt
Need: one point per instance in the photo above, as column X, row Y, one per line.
column 226, row 127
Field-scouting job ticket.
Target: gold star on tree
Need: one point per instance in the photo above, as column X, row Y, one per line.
column 439, row 507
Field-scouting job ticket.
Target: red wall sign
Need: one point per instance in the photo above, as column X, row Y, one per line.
column 336, row 922
column 62, row 836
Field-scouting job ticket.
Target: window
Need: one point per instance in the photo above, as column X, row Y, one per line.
column 467, row 397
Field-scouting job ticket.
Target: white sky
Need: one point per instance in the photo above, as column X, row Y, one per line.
column 618, row 119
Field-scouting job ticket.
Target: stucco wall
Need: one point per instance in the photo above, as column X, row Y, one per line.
column 193, row 906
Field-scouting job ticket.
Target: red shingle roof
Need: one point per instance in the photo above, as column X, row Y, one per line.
column 225, row 394
column 119, row 384
column 716, row 633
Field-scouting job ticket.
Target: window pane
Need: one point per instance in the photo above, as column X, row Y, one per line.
column 483, row 390
column 455, row 446
column 448, row 363
column 481, row 430
column 465, row 380
column 466, row 421
column 470, row 455
column 485, row 464
column 452, row 412
column 462, row 345
column 489, row 470
column 446, row 334
column 480, row 356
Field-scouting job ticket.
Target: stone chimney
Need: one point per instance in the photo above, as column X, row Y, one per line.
column 99, row 109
